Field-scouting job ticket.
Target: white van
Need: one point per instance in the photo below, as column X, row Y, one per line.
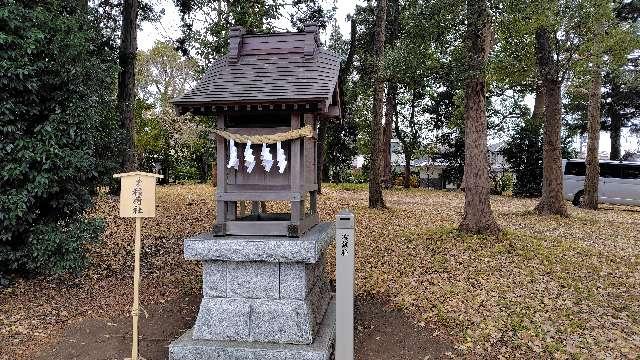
column 619, row 182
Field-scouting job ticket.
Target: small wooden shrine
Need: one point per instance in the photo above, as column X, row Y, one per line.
column 268, row 95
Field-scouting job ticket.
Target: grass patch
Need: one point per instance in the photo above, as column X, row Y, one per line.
column 346, row 186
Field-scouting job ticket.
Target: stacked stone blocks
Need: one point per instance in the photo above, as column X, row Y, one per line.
column 262, row 289
column 262, row 301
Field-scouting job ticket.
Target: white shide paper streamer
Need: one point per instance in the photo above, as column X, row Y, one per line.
column 281, row 158
column 266, row 157
column 233, row 156
column 249, row 159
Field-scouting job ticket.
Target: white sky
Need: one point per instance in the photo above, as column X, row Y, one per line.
column 168, row 28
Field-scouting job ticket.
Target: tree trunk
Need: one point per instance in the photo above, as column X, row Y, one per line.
column 478, row 216
column 616, row 120
column 616, row 129
column 345, row 68
column 322, row 130
column 407, row 170
column 552, row 201
column 126, row 80
column 390, row 110
column 375, row 187
column 593, row 166
column 393, row 28
column 538, row 105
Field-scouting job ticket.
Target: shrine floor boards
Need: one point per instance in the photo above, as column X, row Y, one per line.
column 381, row 334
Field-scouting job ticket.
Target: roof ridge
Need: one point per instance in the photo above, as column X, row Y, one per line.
column 268, row 69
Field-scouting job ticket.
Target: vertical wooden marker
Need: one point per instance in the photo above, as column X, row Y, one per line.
column 137, row 200
column 345, row 238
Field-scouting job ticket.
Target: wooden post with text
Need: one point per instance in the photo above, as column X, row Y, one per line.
column 137, row 200
column 345, row 257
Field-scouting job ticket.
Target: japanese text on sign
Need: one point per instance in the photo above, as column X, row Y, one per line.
column 344, row 247
column 137, row 194
column 137, row 197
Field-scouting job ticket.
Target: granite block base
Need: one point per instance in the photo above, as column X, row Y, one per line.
column 265, row 320
column 186, row 348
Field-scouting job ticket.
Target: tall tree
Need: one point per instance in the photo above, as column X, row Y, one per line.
column 340, row 137
column 375, row 186
column 592, row 176
column 205, row 24
column 409, row 135
column 127, row 80
column 623, row 96
column 607, row 44
column 604, row 42
column 478, row 216
column 162, row 74
column 552, row 201
column 562, row 30
column 621, row 101
column 310, row 11
column 391, row 101
column 411, row 64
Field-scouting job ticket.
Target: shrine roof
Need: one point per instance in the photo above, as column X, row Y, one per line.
column 277, row 68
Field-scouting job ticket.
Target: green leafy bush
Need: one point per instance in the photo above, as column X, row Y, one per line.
column 57, row 133
column 501, row 182
column 523, row 152
column 59, row 247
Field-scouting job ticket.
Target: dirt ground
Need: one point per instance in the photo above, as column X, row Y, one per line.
column 547, row 287
column 381, row 334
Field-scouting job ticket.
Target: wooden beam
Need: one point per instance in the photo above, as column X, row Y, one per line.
column 268, row 228
column 221, row 170
column 255, row 196
column 297, row 207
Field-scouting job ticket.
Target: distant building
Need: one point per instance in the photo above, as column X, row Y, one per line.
column 431, row 168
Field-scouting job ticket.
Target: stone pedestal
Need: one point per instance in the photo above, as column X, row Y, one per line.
column 263, row 298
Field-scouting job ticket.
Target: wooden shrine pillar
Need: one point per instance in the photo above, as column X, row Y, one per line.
column 221, row 205
column 297, row 176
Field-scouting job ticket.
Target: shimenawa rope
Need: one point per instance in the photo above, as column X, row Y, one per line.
column 306, row 131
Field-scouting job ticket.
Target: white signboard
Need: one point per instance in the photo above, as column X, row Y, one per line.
column 137, row 194
column 345, row 237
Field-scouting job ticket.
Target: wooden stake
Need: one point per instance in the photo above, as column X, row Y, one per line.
column 138, row 200
column 136, row 290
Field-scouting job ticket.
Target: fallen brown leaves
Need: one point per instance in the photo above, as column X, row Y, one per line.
column 548, row 287
column 34, row 312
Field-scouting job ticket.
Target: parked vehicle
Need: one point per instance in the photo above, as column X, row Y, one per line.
column 619, row 182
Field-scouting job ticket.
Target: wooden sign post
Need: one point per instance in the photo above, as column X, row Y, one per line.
column 137, row 200
column 345, row 257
